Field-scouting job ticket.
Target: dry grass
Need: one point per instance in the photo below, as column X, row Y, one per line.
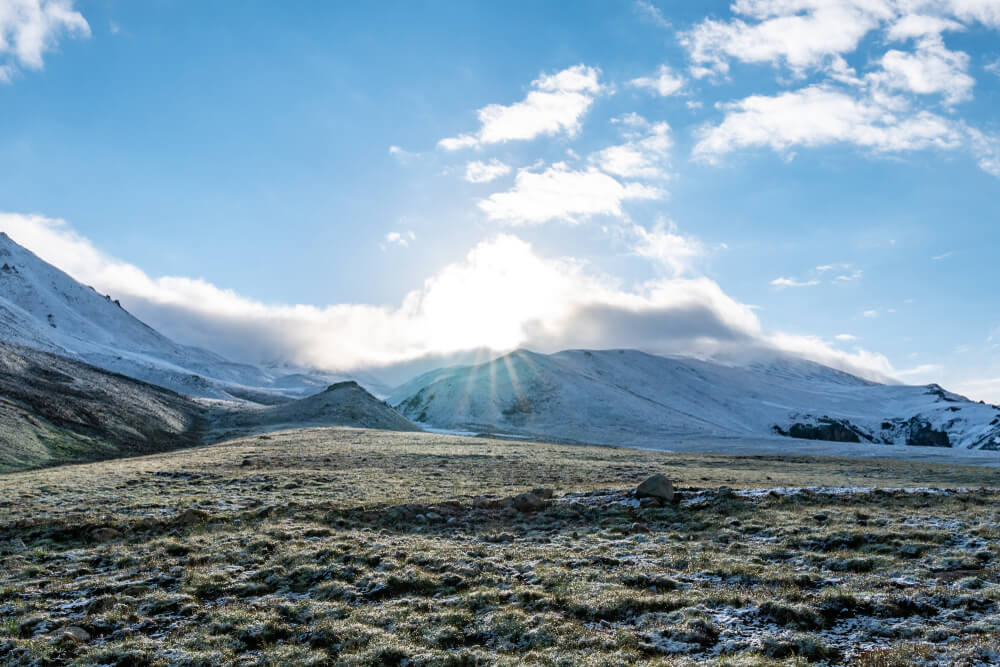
column 339, row 546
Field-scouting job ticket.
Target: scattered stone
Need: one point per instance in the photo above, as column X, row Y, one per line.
column 246, row 463
column 528, row 502
column 105, row 534
column 638, row 527
column 76, row 634
column 191, row 516
column 656, row 486
column 649, row 502
column 544, row 494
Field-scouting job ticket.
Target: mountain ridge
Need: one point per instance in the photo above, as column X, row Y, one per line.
column 631, row 397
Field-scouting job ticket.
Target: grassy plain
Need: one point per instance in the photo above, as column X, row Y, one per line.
column 355, row 547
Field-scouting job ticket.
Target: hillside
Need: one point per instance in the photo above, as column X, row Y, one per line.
column 341, row 404
column 44, row 308
column 57, row 410
column 628, row 397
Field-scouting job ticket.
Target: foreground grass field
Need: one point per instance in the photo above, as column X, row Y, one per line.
column 339, row 546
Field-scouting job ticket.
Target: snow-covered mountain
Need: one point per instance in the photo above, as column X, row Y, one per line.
column 628, row 397
column 44, row 308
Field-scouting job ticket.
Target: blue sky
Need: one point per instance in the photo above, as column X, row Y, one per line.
column 345, row 185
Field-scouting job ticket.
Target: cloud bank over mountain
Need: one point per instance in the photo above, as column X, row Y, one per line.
column 501, row 295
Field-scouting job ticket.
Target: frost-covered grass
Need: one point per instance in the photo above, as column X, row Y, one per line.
column 336, row 546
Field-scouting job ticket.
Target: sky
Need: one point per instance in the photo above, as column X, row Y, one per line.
column 348, row 185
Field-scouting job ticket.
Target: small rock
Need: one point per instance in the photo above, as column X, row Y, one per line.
column 76, row 633
column 820, row 517
column 544, row 494
column 639, row 527
column 105, row 535
column 191, row 516
column 650, row 502
column 528, row 502
column 246, row 463
column 656, row 486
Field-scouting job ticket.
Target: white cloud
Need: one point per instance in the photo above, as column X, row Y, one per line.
column 986, row 12
column 783, row 282
column 484, row 172
column 664, row 84
column 944, row 255
column 555, row 105
column 666, row 246
column 30, row 28
column 821, row 115
column 870, row 313
column 402, row 239
column 993, row 67
column 502, row 295
column 643, row 156
column 798, row 33
column 885, row 110
column 815, row 34
column 986, row 148
column 930, row 69
column 846, row 337
column 561, row 193
column 912, row 26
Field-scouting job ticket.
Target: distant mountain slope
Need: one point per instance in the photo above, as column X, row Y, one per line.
column 56, row 410
column 629, row 397
column 341, row 404
column 44, row 308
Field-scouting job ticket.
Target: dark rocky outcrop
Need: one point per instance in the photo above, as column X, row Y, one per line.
column 922, row 434
column 825, row 429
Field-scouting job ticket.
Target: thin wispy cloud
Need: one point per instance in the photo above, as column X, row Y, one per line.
column 783, row 282
column 401, row 239
column 649, row 12
column 850, row 277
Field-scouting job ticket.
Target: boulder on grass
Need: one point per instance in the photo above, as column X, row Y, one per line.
column 658, row 487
